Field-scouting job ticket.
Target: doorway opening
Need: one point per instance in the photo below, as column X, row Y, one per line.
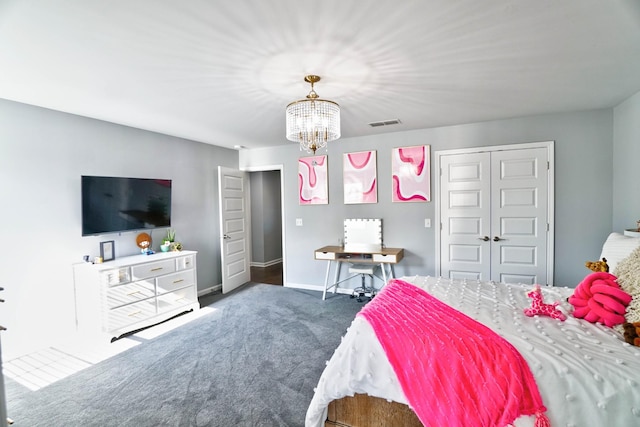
column 267, row 227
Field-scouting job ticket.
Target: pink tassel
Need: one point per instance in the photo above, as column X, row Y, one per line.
column 542, row 420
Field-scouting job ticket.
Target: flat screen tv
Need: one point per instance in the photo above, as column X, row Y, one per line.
column 114, row 204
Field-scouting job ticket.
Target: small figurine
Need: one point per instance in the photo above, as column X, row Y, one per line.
column 144, row 247
column 538, row 306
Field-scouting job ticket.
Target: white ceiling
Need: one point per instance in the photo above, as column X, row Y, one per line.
column 222, row 72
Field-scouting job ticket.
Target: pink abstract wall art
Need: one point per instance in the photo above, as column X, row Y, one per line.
column 411, row 173
column 360, row 177
column 312, row 180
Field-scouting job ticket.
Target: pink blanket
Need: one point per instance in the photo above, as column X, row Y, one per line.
column 453, row 370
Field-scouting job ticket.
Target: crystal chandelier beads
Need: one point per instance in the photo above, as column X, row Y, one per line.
column 313, row 122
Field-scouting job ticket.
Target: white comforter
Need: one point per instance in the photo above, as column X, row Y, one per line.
column 587, row 375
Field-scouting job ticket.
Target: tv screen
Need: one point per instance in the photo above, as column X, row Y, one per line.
column 114, row 204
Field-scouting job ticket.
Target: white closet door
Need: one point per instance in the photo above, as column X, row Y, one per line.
column 519, row 209
column 494, row 209
column 465, row 194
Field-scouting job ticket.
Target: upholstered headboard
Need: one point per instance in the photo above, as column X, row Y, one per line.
column 617, row 247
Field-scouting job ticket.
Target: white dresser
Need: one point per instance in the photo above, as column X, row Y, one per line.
column 134, row 292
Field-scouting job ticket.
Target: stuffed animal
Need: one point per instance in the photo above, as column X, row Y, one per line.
column 598, row 298
column 632, row 333
column 601, row 266
column 538, row 306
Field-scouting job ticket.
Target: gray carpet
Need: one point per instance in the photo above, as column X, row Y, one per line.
column 252, row 362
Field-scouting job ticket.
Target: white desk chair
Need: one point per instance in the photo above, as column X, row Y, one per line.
column 364, row 270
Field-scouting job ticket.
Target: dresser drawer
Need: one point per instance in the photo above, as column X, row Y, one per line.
column 174, row 281
column 130, row 292
column 184, row 263
column 132, row 313
column 177, row 299
column 116, row 276
column 153, row 269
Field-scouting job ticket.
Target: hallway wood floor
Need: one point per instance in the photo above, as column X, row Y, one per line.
column 271, row 275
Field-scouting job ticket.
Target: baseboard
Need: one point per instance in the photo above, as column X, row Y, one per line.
column 265, row 264
column 319, row 288
column 209, row 290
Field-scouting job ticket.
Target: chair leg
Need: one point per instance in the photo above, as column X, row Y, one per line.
column 373, row 289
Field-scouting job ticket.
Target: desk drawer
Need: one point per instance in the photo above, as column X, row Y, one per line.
column 325, row 255
column 392, row 258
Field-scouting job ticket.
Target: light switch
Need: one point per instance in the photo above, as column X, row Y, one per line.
column 299, row 222
column 427, row 223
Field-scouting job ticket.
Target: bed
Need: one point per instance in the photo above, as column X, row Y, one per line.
column 585, row 372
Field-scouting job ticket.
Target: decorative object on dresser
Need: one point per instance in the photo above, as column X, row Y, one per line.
column 107, row 251
column 143, row 240
column 118, row 297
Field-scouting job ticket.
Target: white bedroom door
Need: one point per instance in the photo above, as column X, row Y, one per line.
column 234, row 228
column 495, row 215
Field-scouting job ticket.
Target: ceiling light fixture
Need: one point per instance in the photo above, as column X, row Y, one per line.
column 313, row 122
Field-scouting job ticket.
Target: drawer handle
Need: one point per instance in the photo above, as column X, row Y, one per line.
column 156, row 269
column 178, row 281
column 135, row 313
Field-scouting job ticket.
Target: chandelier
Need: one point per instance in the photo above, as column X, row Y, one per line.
column 313, row 122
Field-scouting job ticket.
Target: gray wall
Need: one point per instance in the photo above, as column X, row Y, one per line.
column 43, row 153
column 266, row 218
column 583, row 200
column 626, row 173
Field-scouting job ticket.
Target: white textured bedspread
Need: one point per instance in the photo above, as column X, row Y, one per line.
column 586, row 374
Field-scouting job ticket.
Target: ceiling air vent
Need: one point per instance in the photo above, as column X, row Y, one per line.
column 385, row 123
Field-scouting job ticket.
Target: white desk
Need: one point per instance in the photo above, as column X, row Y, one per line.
column 337, row 254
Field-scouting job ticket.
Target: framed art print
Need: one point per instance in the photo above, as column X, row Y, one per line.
column 411, row 174
column 107, row 251
column 360, row 177
column 312, row 180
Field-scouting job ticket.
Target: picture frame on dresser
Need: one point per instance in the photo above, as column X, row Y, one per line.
column 107, row 250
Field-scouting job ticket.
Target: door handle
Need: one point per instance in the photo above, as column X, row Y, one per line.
column 485, row 238
column 496, row 239
column 226, row 236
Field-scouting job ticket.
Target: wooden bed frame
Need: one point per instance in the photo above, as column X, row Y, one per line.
column 367, row 411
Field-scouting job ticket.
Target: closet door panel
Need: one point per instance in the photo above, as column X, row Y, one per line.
column 465, row 201
column 519, row 188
